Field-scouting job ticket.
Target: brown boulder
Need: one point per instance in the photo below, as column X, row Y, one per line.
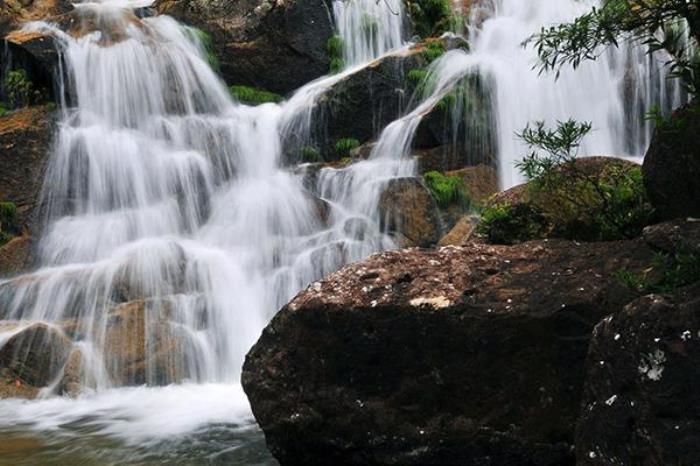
column 25, row 141
column 460, row 356
column 15, row 255
column 408, row 210
column 641, row 402
column 35, row 355
column 462, row 232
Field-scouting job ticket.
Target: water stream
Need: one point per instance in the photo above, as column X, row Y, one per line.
column 163, row 191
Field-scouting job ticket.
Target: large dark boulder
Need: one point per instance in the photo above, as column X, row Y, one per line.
column 672, row 165
column 272, row 44
column 460, row 356
column 641, row 402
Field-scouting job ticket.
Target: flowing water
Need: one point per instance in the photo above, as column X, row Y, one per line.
column 164, row 192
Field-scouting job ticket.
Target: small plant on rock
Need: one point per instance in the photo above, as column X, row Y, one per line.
column 335, row 49
column 254, row 96
column 19, row 89
column 344, row 146
column 9, row 223
column 447, row 190
column 310, row 154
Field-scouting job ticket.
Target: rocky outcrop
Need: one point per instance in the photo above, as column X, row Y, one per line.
column 35, row 355
column 407, row 210
column 641, row 403
column 672, row 165
column 274, row 45
column 468, row 355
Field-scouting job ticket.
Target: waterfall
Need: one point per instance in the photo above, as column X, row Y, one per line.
column 368, row 28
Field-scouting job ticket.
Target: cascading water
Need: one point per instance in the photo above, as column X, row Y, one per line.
column 168, row 204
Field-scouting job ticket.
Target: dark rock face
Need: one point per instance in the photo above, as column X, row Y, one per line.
column 458, row 356
column 407, row 208
column 274, row 45
column 35, row 355
column 25, row 140
column 642, row 403
column 672, row 165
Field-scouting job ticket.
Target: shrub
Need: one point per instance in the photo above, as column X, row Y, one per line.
column 433, row 50
column 430, row 17
column 254, row 96
column 580, row 203
column 503, row 223
column 19, row 89
column 335, row 47
column 343, row 147
column 447, row 190
column 310, row 154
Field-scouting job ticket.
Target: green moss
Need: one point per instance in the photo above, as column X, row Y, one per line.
column 3, row 111
column 416, row 76
column 204, row 40
column 447, row 190
column 310, row 154
column 667, row 273
column 254, row 96
column 433, row 50
column 19, row 89
column 9, row 222
column 343, row 147
column 335, row 48
column 503, row 223
column 430, row 17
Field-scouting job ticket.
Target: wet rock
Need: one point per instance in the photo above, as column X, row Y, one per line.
column 672, row 165
column 274, row 45
column 72, row 381
column 406, row 207
column 459, row 356
column 141, row 346
column 35, row 355
column 15, row 255
column 463, row 231
column 37, row 55
column 25, row 139
column 480, row 182
column 641, row 402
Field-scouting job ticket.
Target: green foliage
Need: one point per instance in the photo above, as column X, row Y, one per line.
column 343, row 147
column 3, row 111
column 19, row 89
column 658, row 25
column 433, row 50
column 416, row 76
column 667, row 273
column 254, row 96
column 430, row 17
column 204, row 40
column 581, row 203
column 503, row 223
column 447, row 190
column 310, row 154
column 9, row 223
column 335, row 47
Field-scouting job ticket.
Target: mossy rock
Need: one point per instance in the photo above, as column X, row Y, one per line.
column 561, row 205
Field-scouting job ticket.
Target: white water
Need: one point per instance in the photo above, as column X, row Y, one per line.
column 160, row 185
column 368, row 28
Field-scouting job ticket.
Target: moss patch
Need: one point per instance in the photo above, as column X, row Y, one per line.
column 254, row 96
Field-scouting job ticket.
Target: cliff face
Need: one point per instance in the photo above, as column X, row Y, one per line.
column 462, row 355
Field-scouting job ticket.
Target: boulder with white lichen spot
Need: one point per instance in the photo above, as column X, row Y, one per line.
column 469, row 355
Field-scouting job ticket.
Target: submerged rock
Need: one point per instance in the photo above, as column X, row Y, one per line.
column 468, row 355
column 407, row 208
column 641, row 403
column 672, row 165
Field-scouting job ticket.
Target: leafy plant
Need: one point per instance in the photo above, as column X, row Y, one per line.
column 433, row 50
column 3, row 111
column 447, row 190
column 580, row 203
column 343, row 147
column 669, row 25
column 335, row 47
column 668, row 272
column 504, row 223
column 254, row 96
column 310, row 154
column 430, row 17
column 19, row 89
